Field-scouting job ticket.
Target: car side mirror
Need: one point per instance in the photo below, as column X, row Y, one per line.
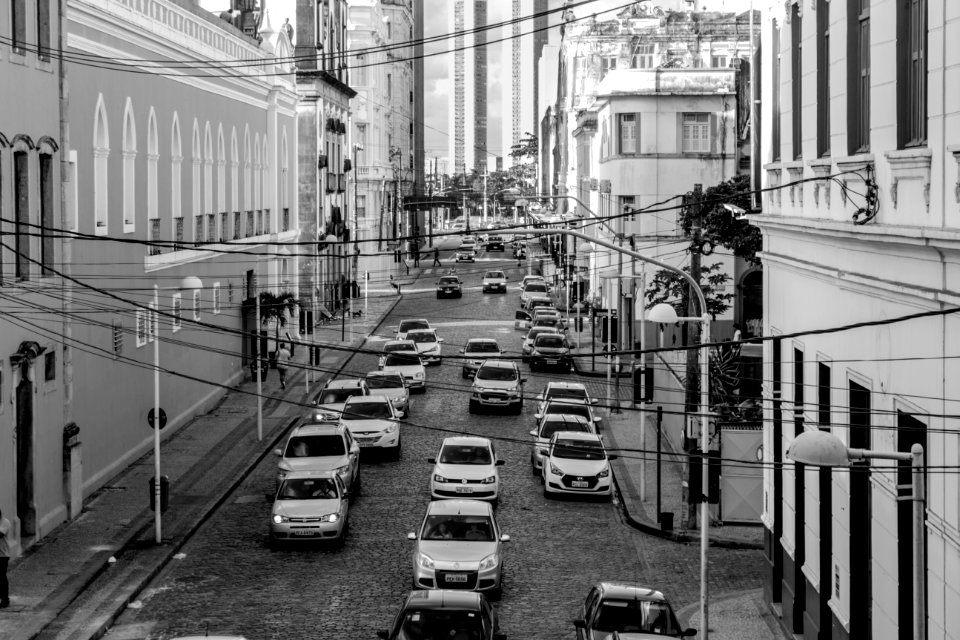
column 533, row 432
column 597, row 418
column 500, row 463
column 383, row 634
column 432, row 460
column 688, row 632
column 346, row 495
column 504, row 537
column 461, row 351
column 594, row 400
column 537, row 416
column 580, row 623
column 411, row 536
column 439, row 339
column 523, row 381
column 277, row 452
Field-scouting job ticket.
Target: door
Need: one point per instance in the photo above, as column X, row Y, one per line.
column 741, row 487
column 26, row 509
column 521, row 320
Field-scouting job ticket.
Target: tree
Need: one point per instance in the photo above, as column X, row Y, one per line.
column 671, row 288
column 276, row 307
column 719, row 225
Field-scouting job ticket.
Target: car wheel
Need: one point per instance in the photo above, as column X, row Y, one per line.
column 463, row 373
column 546, row 494
column 438, row 296
column 519, row 409
column 495, row 595
column 395, row 454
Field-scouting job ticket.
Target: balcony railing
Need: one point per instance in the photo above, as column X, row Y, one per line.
column 250, row 225
column 154, row 237
column 211, row 227
column 198, row 229
column 236, row 225
column 266, row 220
column 259, row 222
column 224, row 226
column 178, row 234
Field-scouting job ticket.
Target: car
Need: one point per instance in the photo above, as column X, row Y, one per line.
column 444, row 613
column 321, row 447
column 409, row 365
column 576, row 463
column 392, row 386
column 459, row 224
column 526, row 347
column 531, row 288
column 372, row 422
column 459, row 545
column 310, row 505
column 329, row 401
column 497, row 384
column 569, row 406
column 625, row 610
column 411, row 325
column 548, row 321
column 475, row 352
column 465, row 467
column 494, row 243
column 550, row 351
column 494, row 281
column 396, row 346
column 532, row 278
column 427, row 343
column 564, row 390
column 466, row 254
column 537, row 300
column 449, row 286
column 549, row 426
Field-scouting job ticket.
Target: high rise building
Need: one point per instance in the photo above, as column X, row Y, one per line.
column 468, row 71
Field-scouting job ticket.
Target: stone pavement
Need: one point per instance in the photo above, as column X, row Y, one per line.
column 74, row 582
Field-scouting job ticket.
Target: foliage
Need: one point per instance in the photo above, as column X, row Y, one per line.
column 724, row 375
column 669, row 287
column 277, row 307
column 719, row 225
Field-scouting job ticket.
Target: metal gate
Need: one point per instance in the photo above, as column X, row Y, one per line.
column 741, row 488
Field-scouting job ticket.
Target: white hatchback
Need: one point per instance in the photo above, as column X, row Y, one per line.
column 466, row 467
column 577, row 463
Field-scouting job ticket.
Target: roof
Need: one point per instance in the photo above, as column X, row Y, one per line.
column 564, row 417
column 577, row 435
column 566, row 385
column 343, row 383
column 629, row 591
column 443, row 599
column 419, row 331
column 366, row 399
column 500, row 364
column 481, row 340
column 474, row 441
column 315, row 429
column 296, row 475
column 460, row 507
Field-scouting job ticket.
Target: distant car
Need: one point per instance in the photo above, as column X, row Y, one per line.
column 576, row 463
column 526, row 347
column 427, row 343
column 550, row 351
column 321, row 447
column 547, row 427
column 466, row 254
column 575, row 391
column 468, row 242
column 466, row 467
column 310, row 505
column 329, row 401
column 444, row 613
column 532, row 278
column 449, row 287
column 393, row 387
column 537, row 300
column 494, row 243
column 494, row 282
column 620, row 609
column 532, row 288
column 408, row 365
column 459, row 546
column 372, row 422
column 475, row 352
column 411, row 325
column 396, row 346
column 569, row 406
column 553, row 321
column 497, row 384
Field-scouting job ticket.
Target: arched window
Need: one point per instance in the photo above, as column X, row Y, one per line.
column 153, row 156
column 197, row 193
column 176, row 194
column 48, row 148
column 129, row 168
column 265, row 190
column 208, row 211
column 101, row 152
column 284, row 190
column 235, row 182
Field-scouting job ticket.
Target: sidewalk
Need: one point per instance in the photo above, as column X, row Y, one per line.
column 741, row 616
column 76, row 581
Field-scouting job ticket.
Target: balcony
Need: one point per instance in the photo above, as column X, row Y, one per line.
column 286, row 219
column 154, row 236
column 178, row 234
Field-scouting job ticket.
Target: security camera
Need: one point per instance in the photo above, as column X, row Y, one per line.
column 738, row 213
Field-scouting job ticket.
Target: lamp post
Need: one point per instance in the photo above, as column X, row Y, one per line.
column 356, row 213
column 190, row 283
column 823, row 449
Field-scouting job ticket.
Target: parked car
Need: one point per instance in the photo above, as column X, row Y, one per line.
column 396, row 346
column 532, row 278
column 409, row 365
column 553, row 321
column 444, row 613
column 494, row 282
column 459, row 546
column 570, row 406
column 466, row 467
column 393, row 387
column 536, row 300
column 449, row 287
column 466, row 254
column 373, row 424
column 526, row 347
column 577, row 463
column 531, row 288
column 550, row 351
column 321, row 447
column 549, row 425
column 310, row 505
column 329, row 401
column 613, row 609
column 476, row 352
column 494, row 243
column 497, row 384
column 554, row 390
column 408, row 325
column 427, row 343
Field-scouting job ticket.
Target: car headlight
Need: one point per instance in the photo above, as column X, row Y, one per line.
column 330, row 517
column 342, row 470
column 418, row 375
column 397, row 400
column 534, row 353
column 489, row 479
column 439, row 478
column 605, row 472
column 490, row 561
column 555, row 470
column 392, row 428
column 278, row 519
column 424, row 560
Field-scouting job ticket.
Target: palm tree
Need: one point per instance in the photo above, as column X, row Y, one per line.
column 276, row 307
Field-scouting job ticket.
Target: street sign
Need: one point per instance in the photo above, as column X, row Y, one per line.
column 163, row 418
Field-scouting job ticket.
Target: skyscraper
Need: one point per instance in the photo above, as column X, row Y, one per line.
column 467, row 112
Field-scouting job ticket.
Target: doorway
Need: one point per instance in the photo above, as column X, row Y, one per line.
column 26, row 509
column 910, row 431
column 860, row 541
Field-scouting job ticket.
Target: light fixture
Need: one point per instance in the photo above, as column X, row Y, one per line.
column 663, row 313
column 192, row 283
column 586, row 248
column 819, row 448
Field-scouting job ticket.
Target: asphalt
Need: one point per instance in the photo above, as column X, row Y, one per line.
column 74, row 583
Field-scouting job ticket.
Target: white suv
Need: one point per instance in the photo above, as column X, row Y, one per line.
column 372, row 421
column 321, row 447
column 497, row 384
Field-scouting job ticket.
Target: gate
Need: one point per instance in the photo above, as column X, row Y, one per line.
column 741, row 487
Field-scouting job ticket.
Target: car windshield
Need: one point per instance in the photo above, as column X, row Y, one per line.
column 410, row 325
column 366, row 411
column 385, row 382
column 571, row 408
column 496, row 373
column 449, row 280
column 578, row 450
column 550, row 341
column 397, row 346
column 307, row 489
column 420, row 338
column 635, row 616
column 535, row 287
column 493, row 274
column 315, row 446
column 335, row 396
column 430, row 624
column 401, row 360
column 457, row 527
column 482, row 347
column 533, row 333
column 465, row 454
column 552, row 426
column 579, row 394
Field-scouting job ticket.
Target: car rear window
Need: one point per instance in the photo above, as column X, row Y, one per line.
column 314, row 446
column 335, row 396
column 428, row 336
column 549, row 340
column 366, row 411
column 579, row 394
column 397, row 346
column 401, row 360
column 385, row 382
column 493, row 274
column 570, row 408
column 535, row 287
column 449, row 280
column 308, row 489
column 496, row 373
column 482, row 347
column 410, row 325
column 552, row 426
column 440, row 623
column 465, row 454
column 578, row 450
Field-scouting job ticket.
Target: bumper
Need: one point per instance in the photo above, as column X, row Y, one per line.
column 490, row 400
column 561, row 362
column 307, row 531
column 463, row 257
column 502, row 288
column 460, row 491
column 553, row 484
column 378, row 441
column 449, row 293
column 467, row 580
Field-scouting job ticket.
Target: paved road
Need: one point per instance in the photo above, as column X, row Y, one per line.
column 232, row 581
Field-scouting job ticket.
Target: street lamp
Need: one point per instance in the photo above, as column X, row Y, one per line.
column 190, row 283
column 823, row 449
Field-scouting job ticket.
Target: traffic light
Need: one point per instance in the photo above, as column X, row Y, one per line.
column 164, row 493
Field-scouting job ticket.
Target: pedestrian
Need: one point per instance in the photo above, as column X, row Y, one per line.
column 283, row 361
column 436, row 257
column 416, row 255
column 5, row 528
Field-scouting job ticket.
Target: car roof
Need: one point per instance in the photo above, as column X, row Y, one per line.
column 500, row 364
column 459, row 507
column 370, row 398
column 566, row 385
column 296, row 475
column 315, row 429
column 343, row 383
column 564, row 417
column 409, row 343
column 629, row 591
column 383, row 374
column 538, row 330
column 414, row 320
column 473, row 441
column 577, row 435
column 431, row 330
column 567, row 400
column 443, row 599
column 481, row 340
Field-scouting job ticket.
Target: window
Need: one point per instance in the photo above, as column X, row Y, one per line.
column 389, row 86
column 224, row 226
column 695, row 133
column 196, row 304
column 607, row 64
column 129, row 152
column 775, row 135
column 643, row 57
column 823, row 78
column 141, row 327
column 47, row 257
column 18, row 18
column 911, row 73
column 858, row 76
column 177, row 311
column 720, row 61
column 153, row 156
column 117, row 337
column 216, row 298
column 43, row 29
column 50, row 365
column 152, row 323
column 197, row 199
column 101, row 152
column 627, row 204
column 796, row 80
column 21, row 197
column 627, row 134
column 176, row 213
column 823, row 396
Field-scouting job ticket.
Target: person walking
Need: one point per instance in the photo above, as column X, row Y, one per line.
column 5, row 529
column 283, row 361
column 436, row 257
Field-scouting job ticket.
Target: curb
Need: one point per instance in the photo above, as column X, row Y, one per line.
column 216, row 501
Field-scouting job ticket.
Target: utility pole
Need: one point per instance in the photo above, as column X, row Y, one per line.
column 692, row 386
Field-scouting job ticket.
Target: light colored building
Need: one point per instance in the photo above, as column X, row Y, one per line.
column 467, row 103
column 523, row 41
column 861, row 150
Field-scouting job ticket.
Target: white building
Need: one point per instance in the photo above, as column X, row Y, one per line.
column 860, row 102
column 467, row 103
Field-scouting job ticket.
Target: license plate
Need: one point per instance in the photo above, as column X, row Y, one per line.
column 368, row 443
column 456, row 577
column 304, row 532
column 550, row 361
column 579, row 484
column 464, row 489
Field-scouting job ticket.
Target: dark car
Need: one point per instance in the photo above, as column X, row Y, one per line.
column 614, row 609
column 495, row 243
column 449, row 287
column 550, row 350
column 444, row 613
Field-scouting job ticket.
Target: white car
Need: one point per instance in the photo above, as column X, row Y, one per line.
column 495, row 282
column 427, row 343
column 476, row 352
column 497, row 384
column 531, row 289
column 393, row 387
column 409, row 365
column 466, row 254
column 310, row 505
column 329, row 401
column 321, row 447
column 570, row 406
column 577, row 463
column 412, row 324
column 372, row 422
column 466, row 467
column 547, row 427
column 526, row 347
column 576, row 391
column 394, row 346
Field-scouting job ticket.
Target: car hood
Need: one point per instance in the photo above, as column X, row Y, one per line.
column 371, row 425
column 464, row 551
column 465, row 471
column 392, row 393
column 427, row 347
column 405, row 370
column 496, row 384
column 320, row 463
column 580, row 467
column 305, row 508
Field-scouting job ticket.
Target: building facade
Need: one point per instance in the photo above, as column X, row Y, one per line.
column 467, row 102
column 861, row 153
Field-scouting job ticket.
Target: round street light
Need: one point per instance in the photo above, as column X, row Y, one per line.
column 663, row 313
column 819, row 448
